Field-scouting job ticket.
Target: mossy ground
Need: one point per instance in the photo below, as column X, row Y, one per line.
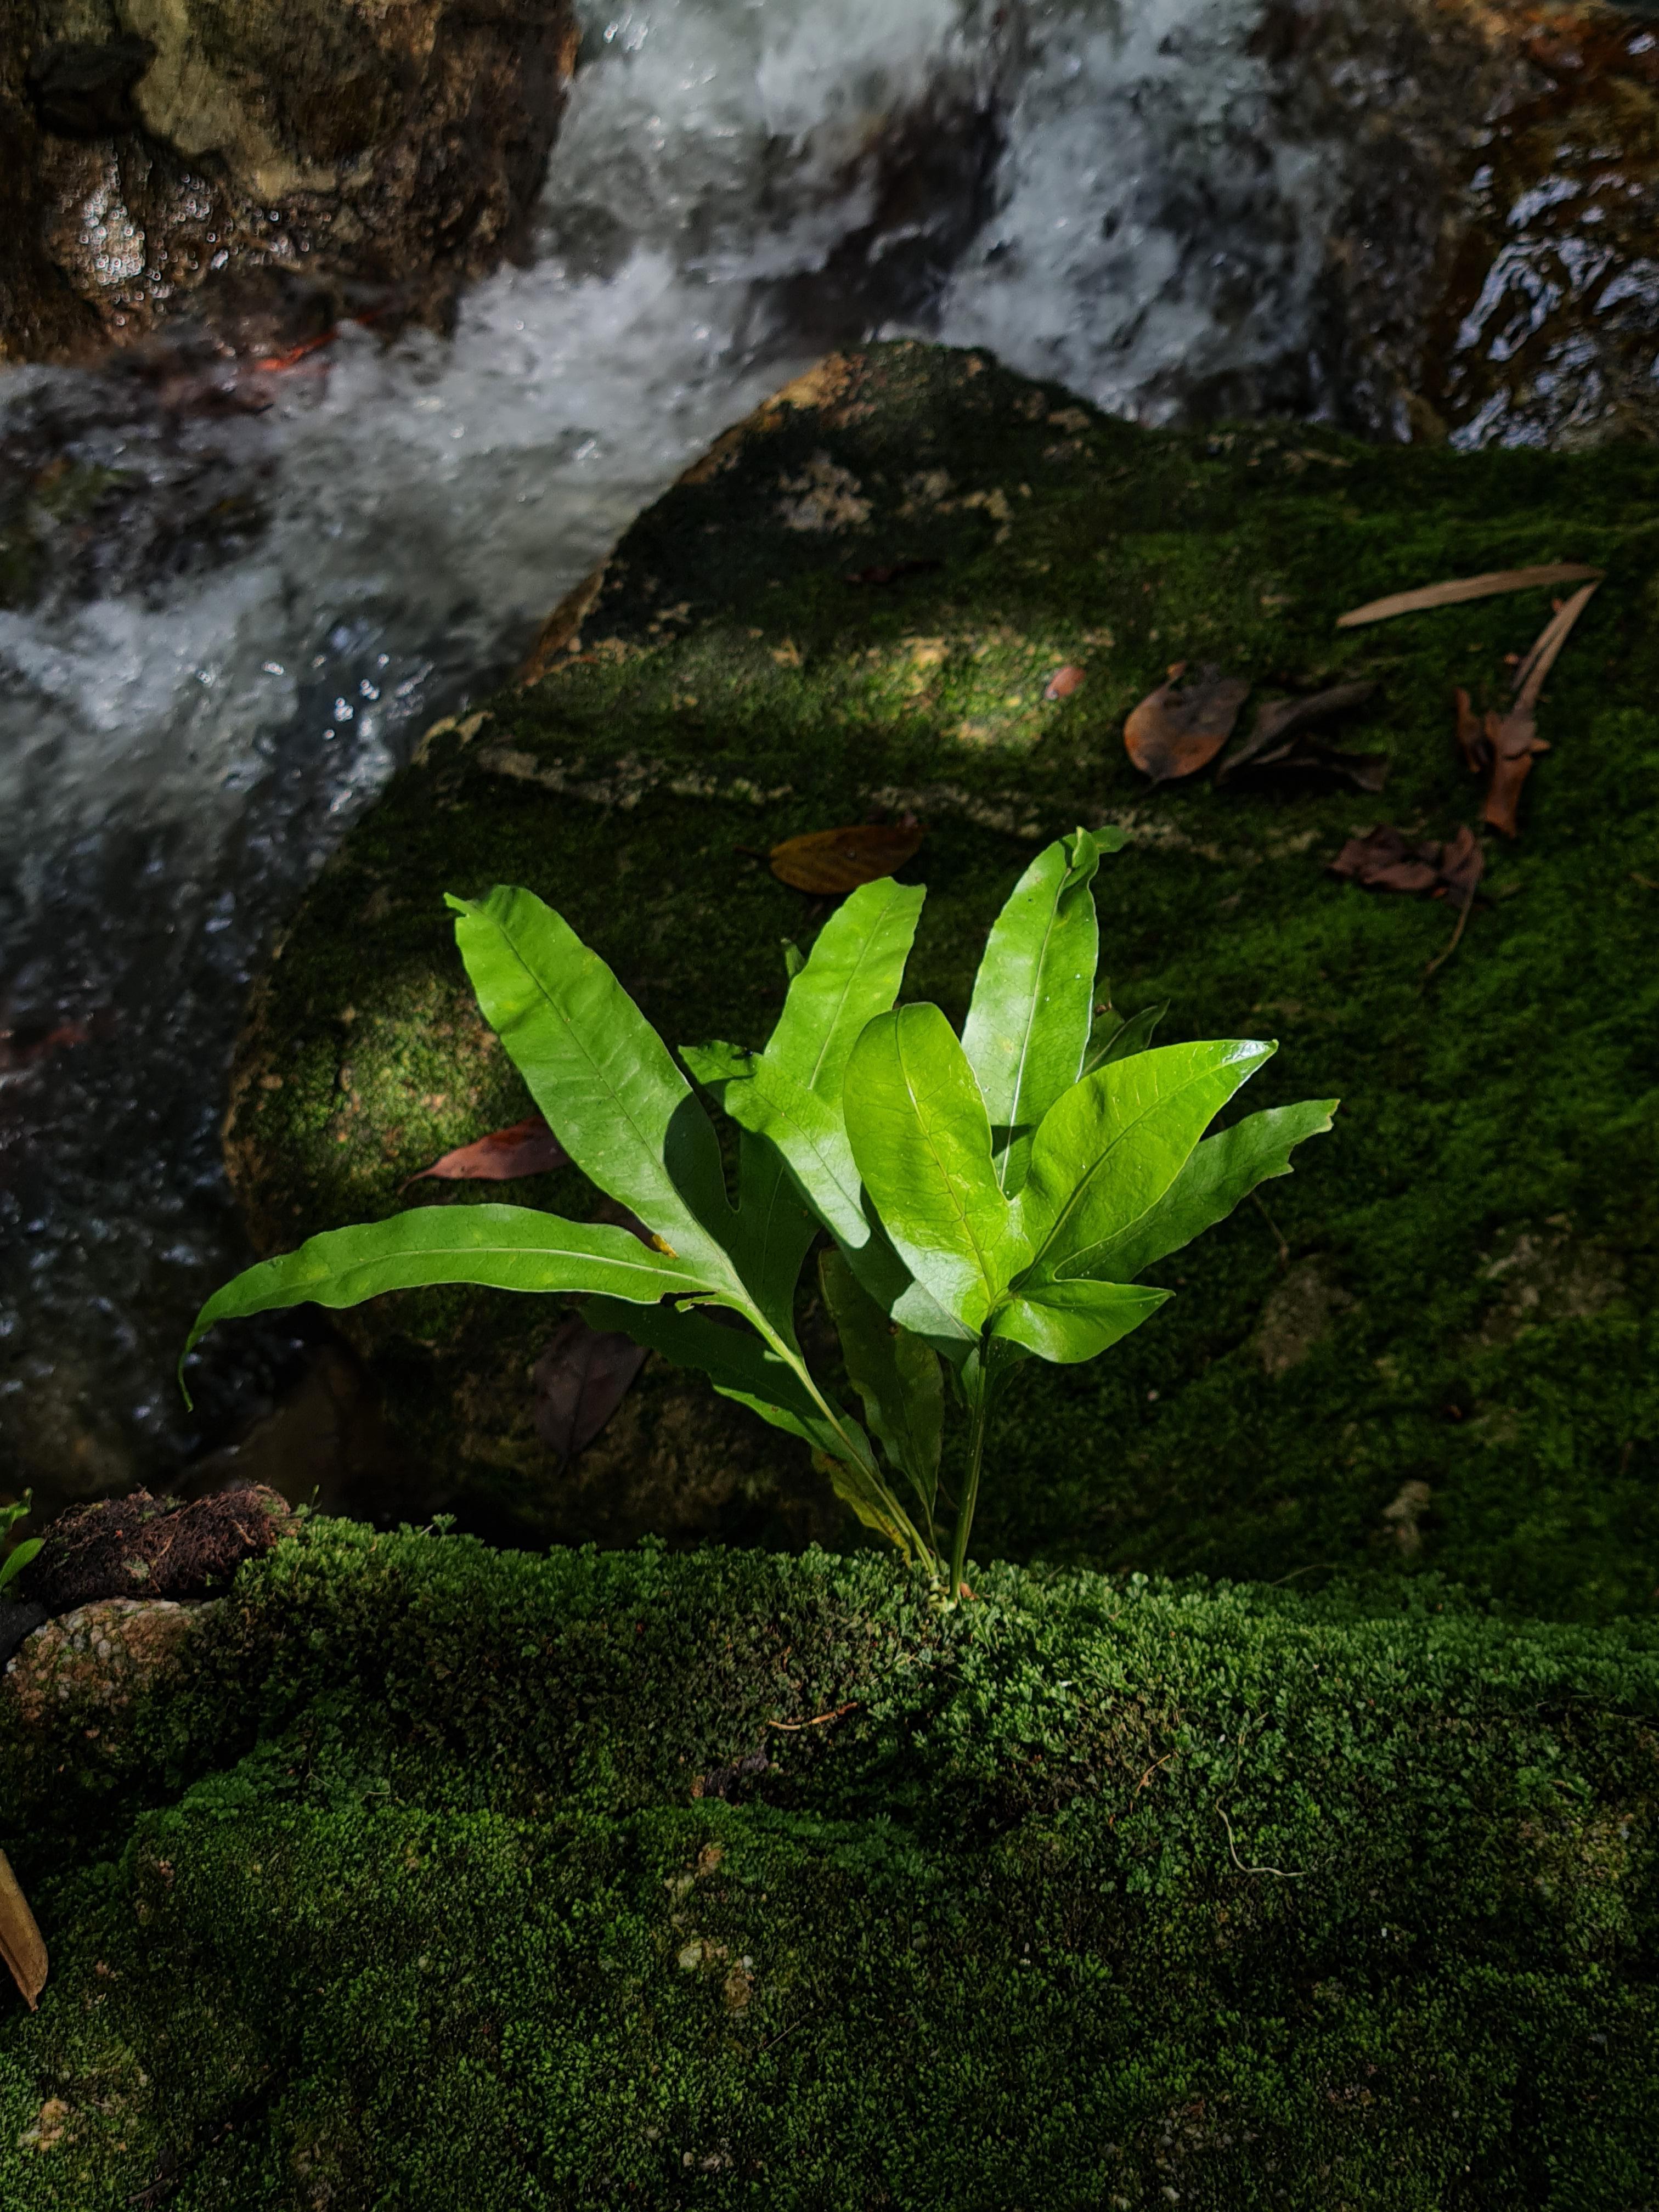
column 1468, row 1302
column 439, row 1878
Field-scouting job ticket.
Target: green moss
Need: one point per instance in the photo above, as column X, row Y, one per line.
column 1468, row 1302
column 403, row 1892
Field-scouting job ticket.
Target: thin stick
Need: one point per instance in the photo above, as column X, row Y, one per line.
column 1456, row 590
column 817, row 1719
column 1283, row 1874
column 1462, row 918
column 1283, row 1248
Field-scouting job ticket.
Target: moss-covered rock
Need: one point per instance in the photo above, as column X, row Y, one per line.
column 1435, row 1346
column 426, row 1876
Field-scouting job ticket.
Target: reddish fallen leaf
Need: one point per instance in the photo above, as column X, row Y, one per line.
column 1471, row 735
column 529, row 1147
column 891, row 572
column 1274, row 741
column 21, row 1945
column 1386, row 859
column 580, row 1379
column 828, row 861
column 1174, row 733
column 1063, row 683
column 1512, row 740
column 1457, row 590
column 19, row 1048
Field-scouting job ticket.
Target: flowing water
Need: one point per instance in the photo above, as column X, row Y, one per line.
column 242, row 619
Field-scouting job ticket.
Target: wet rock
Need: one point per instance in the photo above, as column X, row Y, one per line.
column 388, row 154
column 85, row 1669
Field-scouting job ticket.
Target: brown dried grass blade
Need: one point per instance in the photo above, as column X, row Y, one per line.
column 1455, row 590
column 21, row 1944
column 1529, row 676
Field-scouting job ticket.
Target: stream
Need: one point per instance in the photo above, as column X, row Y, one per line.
column 250, row 599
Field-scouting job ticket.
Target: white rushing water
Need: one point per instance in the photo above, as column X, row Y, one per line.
column 1096, row 191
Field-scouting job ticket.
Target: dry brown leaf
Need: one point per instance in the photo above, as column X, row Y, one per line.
column 528, row 1147
column 581, row 1377
column 1471, row 735
column 1529, row 676
column 829, row 861
column 1269, row 743
column 21, row 1944
column 1174, row 733
column 1458, row 589
column 1063, row 683
column 1386, row 859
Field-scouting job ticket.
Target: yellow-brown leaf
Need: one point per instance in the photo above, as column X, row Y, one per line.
column 21, row 1945
column 1455, row 590
column 829, row 861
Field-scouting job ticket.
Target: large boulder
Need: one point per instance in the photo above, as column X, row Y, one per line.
column 266, row 164
column 423, row 1877
column 1433, row 1346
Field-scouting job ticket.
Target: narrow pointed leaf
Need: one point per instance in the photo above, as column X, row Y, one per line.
column 853, row 974
column 895, row 1375
column 598, row 1070
column 863, row 1489
column 21, row 1943
column 1070, row 1322
column 1109, row 1150
column 737, row 1363
column 771, row 1233
column 1220, row 1172
column 504, row 1248
column 1125, row 1039
column 921, row 1138
column 761, row 1096
column 18, row 1558
column 1028, row 1026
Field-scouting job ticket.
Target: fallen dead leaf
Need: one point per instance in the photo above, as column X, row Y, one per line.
column 1063, row 683
column 1278, row 739
column 21, row 1943
column 1386, row 859
column 1457, row 590
column 581, row 1377
column 829, row 861
column 1510, row 743
column 1471, row 734
column 1174, row 733
column 529, row 1147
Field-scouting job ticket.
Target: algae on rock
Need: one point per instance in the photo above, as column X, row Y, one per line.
column 735, row 675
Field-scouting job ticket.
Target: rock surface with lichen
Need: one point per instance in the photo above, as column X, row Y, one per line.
column 854, row 606
column 263, row 167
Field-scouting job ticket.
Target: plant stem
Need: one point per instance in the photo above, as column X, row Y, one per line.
column 980, row 1414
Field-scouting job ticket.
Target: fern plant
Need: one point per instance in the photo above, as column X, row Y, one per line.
column 982, row 1200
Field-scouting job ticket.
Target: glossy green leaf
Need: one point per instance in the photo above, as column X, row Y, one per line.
column 1217, row 1175
column 852, row 975
column 1117, row 1039
column 504, row 1248
column 18, row 1558
column 895, row 1375
column 735, row 1360
column 1069, row 1321
column 921, row 1138
column 1028, row 1026
column 1107, row 1151
column 599, row 1070
column 762, row 1096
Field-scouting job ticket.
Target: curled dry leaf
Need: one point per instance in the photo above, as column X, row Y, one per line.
column 1456, row 591
column 1063, row 683
column 1511, row 739
column 1174, row 733
column 1277, row 739
column 580, row 1379
column 1471, row 734
column 21, row 1944
column 528, row 1147
column 1506, row 745
column 1386, row 859
column 830, row 861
